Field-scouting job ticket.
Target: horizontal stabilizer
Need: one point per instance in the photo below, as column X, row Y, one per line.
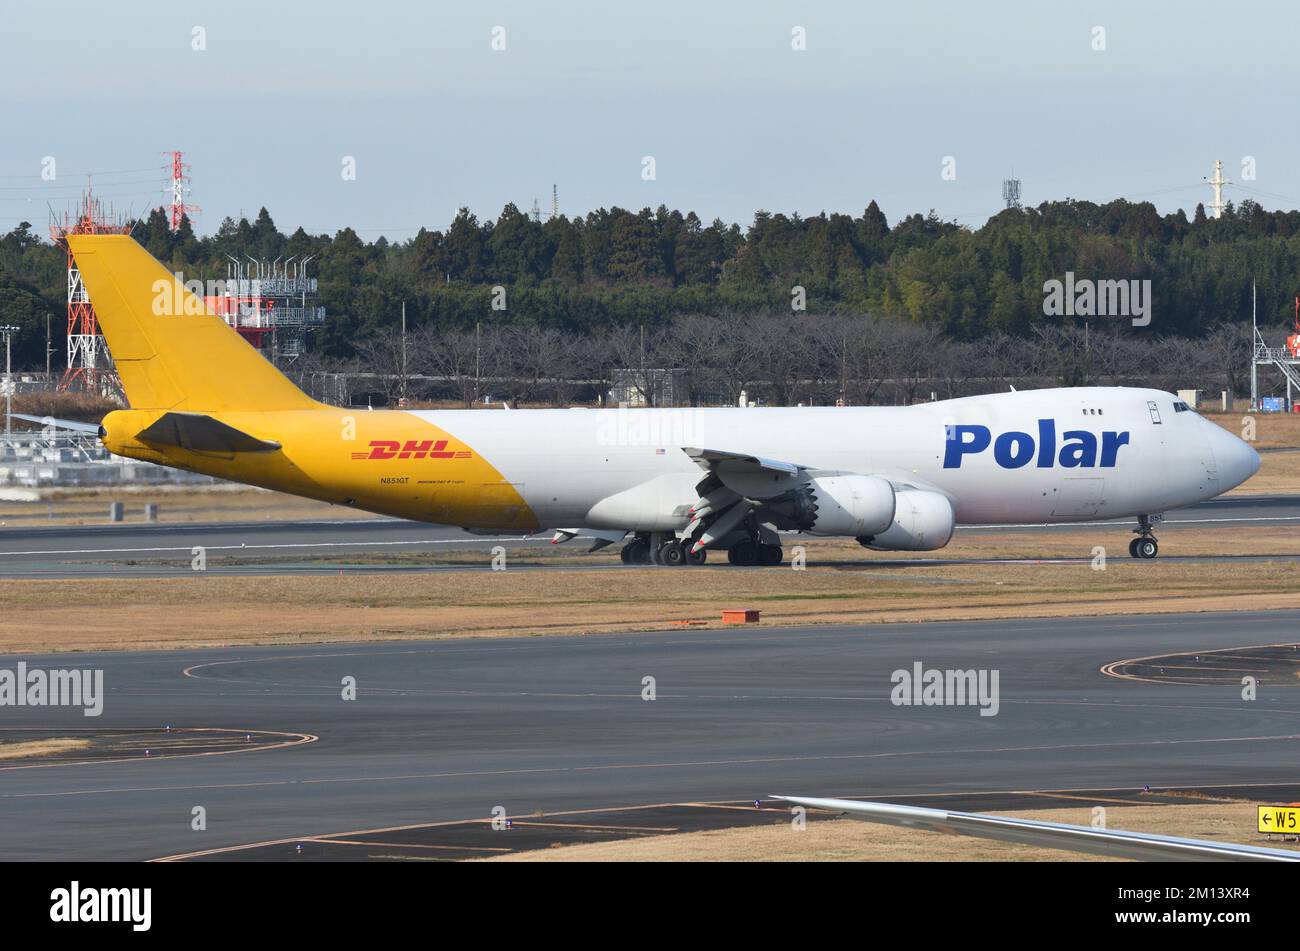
column 202, row 433
column 69, row 424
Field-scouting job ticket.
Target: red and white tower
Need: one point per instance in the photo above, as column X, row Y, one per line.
column 88, row 361
column 180, row 189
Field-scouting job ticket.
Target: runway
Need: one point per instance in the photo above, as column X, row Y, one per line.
column 446, row 731
column 306, row 547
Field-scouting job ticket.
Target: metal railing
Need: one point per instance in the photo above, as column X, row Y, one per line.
column 1281, row 358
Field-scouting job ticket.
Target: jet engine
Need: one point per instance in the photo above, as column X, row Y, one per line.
column 841, row 505
column 923, row 521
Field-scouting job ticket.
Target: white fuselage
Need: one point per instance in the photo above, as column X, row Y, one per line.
column 1036, row 456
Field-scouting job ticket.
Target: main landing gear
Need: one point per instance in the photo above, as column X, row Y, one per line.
column 1145, row 545
column 669, row 551
column 636, row 552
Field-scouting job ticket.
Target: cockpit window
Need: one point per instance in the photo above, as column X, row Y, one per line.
column 1181, row 407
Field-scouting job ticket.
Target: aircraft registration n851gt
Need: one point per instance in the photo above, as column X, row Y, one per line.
column 680, row 482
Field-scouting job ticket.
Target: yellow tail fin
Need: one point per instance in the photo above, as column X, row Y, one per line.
column 171, row 353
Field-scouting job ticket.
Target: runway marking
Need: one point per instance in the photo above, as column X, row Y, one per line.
column 1120, row 802
column 188, row 671
column 330, row 840
column 714, row 805
column 581, row 825
column 292, row 739
column 1110, row 670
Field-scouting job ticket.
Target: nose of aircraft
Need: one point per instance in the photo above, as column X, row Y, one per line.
column 1237, row 461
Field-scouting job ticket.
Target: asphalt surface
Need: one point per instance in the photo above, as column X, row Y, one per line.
column 445, row 732
column 313, row 547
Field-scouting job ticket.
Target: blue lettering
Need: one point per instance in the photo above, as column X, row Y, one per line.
column 959, row 445
column 1110, row 443
column 1013, row 450
column 1046, row 442
column 1081, row 451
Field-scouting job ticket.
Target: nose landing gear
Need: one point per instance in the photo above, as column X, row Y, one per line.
column 1145, row 545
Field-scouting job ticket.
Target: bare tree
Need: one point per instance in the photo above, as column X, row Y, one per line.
column 1228, row 348
column 453, row 356
column 693, row 345
column 381, row 355
column 785, row 352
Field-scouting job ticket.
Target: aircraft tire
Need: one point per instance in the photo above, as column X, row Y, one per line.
column 636, row 552
column 672, row 554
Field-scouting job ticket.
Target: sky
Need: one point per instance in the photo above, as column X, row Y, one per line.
column 919, row 105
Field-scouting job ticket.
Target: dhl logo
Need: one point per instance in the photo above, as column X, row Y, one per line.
column 426, row 449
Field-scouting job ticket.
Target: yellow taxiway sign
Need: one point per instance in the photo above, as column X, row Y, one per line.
column 1282, row 819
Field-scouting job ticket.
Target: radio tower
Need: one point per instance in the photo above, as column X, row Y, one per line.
column 180, row 188
column 1011, row 192
column 88, row 363
column 1217, row 183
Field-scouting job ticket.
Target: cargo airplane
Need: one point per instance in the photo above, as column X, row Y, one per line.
column 677, row 484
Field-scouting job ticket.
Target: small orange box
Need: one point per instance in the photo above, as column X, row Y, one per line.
column 740, row 616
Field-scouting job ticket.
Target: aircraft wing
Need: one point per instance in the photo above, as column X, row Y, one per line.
column 1053, row 835
column 709, row 459
column 69, row 424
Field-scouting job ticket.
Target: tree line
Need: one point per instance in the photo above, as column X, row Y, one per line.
column 615, row 270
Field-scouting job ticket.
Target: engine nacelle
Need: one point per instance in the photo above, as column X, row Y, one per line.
column 845, row 505
column 923, row 521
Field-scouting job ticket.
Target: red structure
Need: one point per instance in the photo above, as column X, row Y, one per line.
column 88, row 360
column 1293, row 341
column 180, row 188
column 251, row 314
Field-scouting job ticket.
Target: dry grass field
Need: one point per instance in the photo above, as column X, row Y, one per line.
column 849, row 840
column 29, row 749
